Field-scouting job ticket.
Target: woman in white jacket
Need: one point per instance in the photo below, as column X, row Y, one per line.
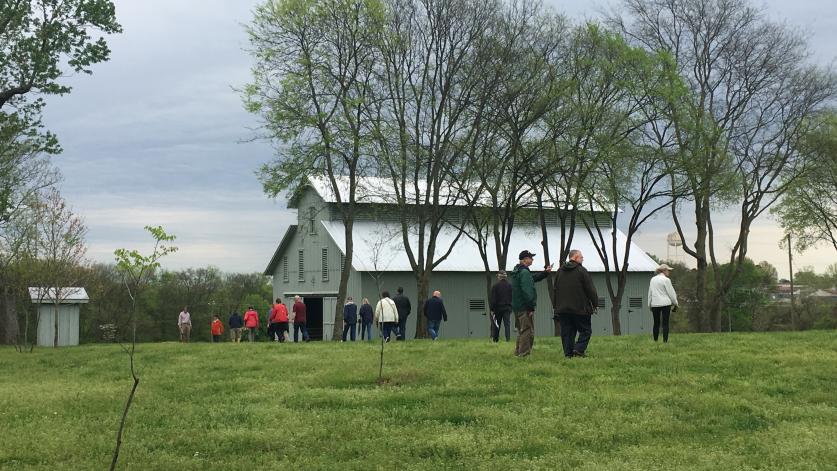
column 661, row 299
column 386, row 315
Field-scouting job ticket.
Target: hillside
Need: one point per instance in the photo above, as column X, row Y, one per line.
column 725, row 401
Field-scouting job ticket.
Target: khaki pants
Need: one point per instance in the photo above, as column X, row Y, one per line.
column 185, row 332
column 526, row 333
column 235, row 334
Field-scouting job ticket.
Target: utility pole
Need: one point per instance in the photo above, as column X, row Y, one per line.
column 790, row 265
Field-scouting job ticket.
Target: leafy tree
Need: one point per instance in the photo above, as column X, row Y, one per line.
column 60, row 248
column 737, row 134
column 312, row 84
column 433, row 57
column 808, row 212
column 40, row 41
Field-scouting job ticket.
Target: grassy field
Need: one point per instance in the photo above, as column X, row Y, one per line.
column 725, row 401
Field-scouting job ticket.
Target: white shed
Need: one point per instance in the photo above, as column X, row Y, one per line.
column 67, row 301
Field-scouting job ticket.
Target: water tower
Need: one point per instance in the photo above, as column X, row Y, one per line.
column 673, row 243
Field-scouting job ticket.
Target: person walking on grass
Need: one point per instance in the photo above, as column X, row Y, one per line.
column 251, row 321
column 386, row 316
column 577, row 301
column 236, row 323
column 184, row 325
column 524, row 301
column 366, row 318
column 662, row 300
column 349, row 319
column 434, row 311
column 300, row 313
column 278, row 321
column 500, row 303
column 217, row 329
column 403, row 304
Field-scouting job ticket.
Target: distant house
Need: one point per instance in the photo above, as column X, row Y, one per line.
column 309, row 258
column 782, row 292
column 825, row 295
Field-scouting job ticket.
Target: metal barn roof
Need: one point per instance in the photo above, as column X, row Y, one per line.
column 379, row 190
column 378, row 248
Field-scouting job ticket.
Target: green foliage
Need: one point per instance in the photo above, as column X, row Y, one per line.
column 40, row 41
column 138, row 267
column 809, row 210
column 737, row 401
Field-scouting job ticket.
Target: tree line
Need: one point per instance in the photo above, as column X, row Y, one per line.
column 676, row 109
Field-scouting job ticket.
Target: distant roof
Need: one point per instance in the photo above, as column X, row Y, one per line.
column 378, row 190
column 65, row 295
column 377, row 247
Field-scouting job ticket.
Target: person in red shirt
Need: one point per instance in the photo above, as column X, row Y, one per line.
column 278, row 321
column 251, row 321
column 217, row 329
column 299, row 320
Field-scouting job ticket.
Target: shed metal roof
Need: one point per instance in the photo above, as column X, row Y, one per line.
column 65, row 295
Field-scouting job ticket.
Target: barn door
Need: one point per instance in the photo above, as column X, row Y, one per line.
column 329, row 304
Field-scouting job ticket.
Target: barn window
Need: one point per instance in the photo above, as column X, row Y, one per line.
column 301, row 266
column 285, row 276
column 601, row 302
column 476, row 304
column 325, row 264
column 312, row 213
column 635, row 302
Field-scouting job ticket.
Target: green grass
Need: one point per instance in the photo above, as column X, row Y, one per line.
column 725, row 401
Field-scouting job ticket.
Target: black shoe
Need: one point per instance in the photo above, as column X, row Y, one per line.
column 576, row 353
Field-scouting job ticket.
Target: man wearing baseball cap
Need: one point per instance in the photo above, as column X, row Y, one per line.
column 524, row 300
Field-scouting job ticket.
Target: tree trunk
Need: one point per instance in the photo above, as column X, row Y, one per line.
column 616, row 300
column 55, row 322
column 337, row 331
column 422, row 288
column 697, row 316
column 10, row 321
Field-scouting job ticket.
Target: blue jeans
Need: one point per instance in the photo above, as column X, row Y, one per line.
column 388, row 329
column 349, row 328
column 366, row 328
column 402, row 328
column 300, row 327
column 433, row 328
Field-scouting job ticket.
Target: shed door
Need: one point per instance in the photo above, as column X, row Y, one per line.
column 46, row 325
column 329, row 305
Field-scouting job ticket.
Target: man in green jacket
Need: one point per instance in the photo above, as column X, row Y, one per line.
column 524, row 300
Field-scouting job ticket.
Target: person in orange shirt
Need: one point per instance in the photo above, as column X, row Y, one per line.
column 251, row 321
column 278, row 321
column 217, row 329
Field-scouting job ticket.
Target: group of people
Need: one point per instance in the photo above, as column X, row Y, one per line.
column 576, row 301
column 391, row 314
column 279, row 320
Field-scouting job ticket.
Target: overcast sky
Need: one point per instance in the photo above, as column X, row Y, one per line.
column 158, row 136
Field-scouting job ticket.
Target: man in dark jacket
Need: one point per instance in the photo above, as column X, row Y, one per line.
column 402, row 304
column 577, row 300
column 524, row 301
column 434, row 311
column 236, row 323
column 500, row 302
column 349, row 318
